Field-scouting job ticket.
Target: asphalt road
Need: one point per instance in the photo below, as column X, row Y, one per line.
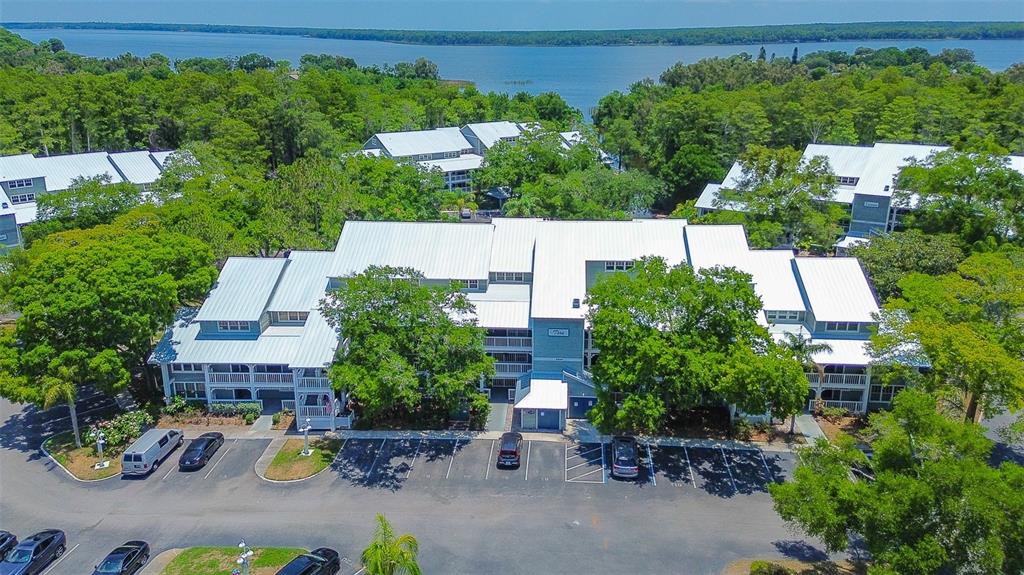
column 691, row 511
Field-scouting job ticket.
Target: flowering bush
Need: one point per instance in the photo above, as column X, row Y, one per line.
column 120, row 431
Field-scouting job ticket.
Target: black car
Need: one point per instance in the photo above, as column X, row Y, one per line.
column 7, row 542
column 199, row 452
column 33, row 554
column 322, row 561
column 624, row 457
column 510, row 449
column 127, row 559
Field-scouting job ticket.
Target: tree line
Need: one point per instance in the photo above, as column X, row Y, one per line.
column 674, row 36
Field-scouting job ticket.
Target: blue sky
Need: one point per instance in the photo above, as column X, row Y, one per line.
column 507, row 14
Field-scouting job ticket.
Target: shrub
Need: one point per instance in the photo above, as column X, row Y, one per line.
column 768, row 568
column 276, row 418
column 834, row 414
column 122, row 429
column 742, row 429
column 236, row 409
column 479, row 409
column 181, row 406
column 249, row 418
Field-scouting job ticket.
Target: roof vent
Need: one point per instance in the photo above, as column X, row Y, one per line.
column 886, row 189
column 575, row 303
column 5, row 205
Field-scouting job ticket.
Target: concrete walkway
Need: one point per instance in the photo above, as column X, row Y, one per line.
column 809, row 428
column 157, row 564
column 268, row 456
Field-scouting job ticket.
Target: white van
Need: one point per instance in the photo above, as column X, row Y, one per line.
column 148, row 451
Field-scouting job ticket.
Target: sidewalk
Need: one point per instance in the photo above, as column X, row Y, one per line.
column 809, row 428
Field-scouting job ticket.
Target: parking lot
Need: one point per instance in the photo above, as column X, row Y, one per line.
column 232, row 461
column 399, row 463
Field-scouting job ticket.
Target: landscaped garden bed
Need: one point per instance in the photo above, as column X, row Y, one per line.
column 289, row 464
column 221, row 560
column 283, row 419
column 834, row 421
column 81, row 461
column 181, row 412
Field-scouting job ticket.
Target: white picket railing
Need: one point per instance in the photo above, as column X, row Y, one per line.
column 838, row 379
column 288, row 404
column 313, row 411
column 512, row 367
column 497, row 341
column 229, row 378
column 314, row 383
column 851, row 406
column 272, row 377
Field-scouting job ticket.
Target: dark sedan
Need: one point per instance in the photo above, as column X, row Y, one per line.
column 127, row 559
column 200, row 451
column 322, row 561
column 33, row 554
column 7, row 542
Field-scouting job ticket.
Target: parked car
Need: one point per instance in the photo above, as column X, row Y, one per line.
column 7, row 542
column 148, row 451
column 322, row 561
column 624, row 457
column 127, row 559
column 200, row 451
column 33, row 554
column 510, row 449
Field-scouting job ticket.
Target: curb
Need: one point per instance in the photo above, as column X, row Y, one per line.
column 42, row 447
column 278, row 444
column 158, row 563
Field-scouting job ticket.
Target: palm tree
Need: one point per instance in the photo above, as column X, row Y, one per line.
column 803, row 349
column 390, row 555
column 58, row 390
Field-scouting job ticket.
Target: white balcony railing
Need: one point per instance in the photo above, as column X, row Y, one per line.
column 521, row 342
column 272, row 377
column 314, row 383
column 853, row 379
column 313, row 411
column 229, row 378
column 851, row 406
column 501, row 367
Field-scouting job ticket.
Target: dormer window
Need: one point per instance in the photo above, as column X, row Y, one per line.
column 842, row 326
column 16, row 184
column 294, row 317
column 467, row 284
column 618, row 266
column 232, row 326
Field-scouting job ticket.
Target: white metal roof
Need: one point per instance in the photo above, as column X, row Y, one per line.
column 303, row 282
column 850, row 241
column 844, row 352
column 139, row 167
column 836, row 289
column 161, row 157
column 771, row 270
column 502, row 305
column 60, row 171
column 844, row 160
column 563, row 248
column 404, row 144
column 317, row 345
column 18, row 167
column 437, row 250
column 512, row 249
column 885, row 163
column 463, row 162
column 242, row 290
column 491, row 133
column 544, row 394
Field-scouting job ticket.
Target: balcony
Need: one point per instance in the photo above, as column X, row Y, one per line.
column 314, row 383
column 512, row 368
column 272, row 378
column 851, row 406
column 504, row 342
column 831, row 379
column 229, row 378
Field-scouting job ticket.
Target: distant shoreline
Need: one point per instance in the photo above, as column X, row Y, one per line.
column 778, row 34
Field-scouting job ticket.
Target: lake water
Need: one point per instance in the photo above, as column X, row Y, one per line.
column 582, row 75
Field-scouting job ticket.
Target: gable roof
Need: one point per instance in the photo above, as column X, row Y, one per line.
column 490, row 133
column 243, row 289
column 837, row 289
column 404, row 144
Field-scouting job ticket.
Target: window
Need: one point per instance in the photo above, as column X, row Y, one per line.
column 467, row 284
column 617, row 266
column 22, row 198
column 847, row 180
column 163, row 441
column 842, row 326
column 870, row 204
column 233, row 325
column 190, row 390
column 16, row 184
column 187, row 367
column 883, row 393
column 511, row 277
column 512, row 357
column 777, row 316
column 291, row 316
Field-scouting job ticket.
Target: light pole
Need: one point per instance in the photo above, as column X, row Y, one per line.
column 245, row 553
column 305, row 439
column 101, row 440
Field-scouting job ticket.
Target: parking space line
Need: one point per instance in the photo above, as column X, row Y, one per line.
column 169, row 472
column 413, row 464
column 604, row 467
column 57, row 562
column 529, row 444
column 578, row 479
column 568, row 469
column 452, row 460
column 216, row 463
column 490, row 457
column 650, row 465
column 765, row 462
column 689, row 469
column 375, row 457
column 565, row 475
column 728, row 468
column 340, row 449
column 587, row 451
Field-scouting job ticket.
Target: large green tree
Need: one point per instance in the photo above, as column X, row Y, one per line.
column 412, row 353
column 889, row 258
column 926, row 502
column 672, row 339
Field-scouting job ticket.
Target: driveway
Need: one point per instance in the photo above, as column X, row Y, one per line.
column 693, row 510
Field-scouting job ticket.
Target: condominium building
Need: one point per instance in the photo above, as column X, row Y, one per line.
column 259, row 335
column 24, row 177
column 865, row 183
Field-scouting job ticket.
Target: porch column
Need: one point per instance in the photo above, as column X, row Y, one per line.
column 867, row 390
column 252, row 382
column 206, row 380
column 165, row 372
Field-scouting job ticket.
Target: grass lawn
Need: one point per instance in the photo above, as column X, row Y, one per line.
column 742, row 567
column 289, row 463
column 79, row 460
column 221, row 560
